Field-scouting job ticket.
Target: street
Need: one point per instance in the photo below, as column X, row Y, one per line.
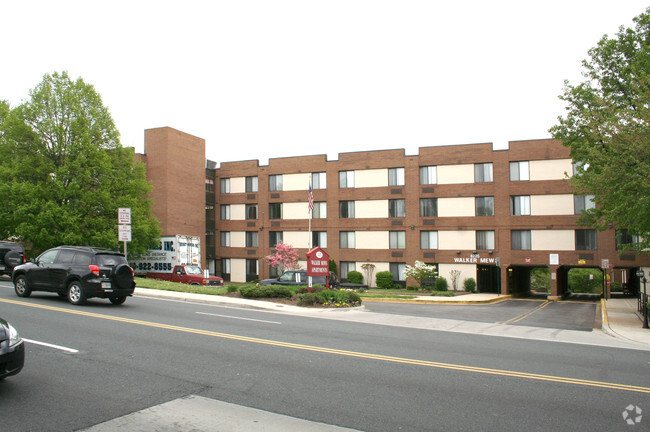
column 89, row 365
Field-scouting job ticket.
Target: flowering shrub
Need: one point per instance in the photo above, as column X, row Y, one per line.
column 330, row 298
column 421, row 272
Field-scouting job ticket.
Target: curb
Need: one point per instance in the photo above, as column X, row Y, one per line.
column 440, row 302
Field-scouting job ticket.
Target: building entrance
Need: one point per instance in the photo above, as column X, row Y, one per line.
column 488, row 279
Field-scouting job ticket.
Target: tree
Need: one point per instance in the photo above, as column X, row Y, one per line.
column 64, row 173
column 284, row 258
column 607, row 130
column 421, row 272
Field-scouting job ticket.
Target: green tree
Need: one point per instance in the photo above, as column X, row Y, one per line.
column 421, row 272
column 606, row 127
column 64, row 173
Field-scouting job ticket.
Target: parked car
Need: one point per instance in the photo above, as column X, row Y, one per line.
column 12, row 350
column 11, row 255
column 299, row 277
column 78, row 273
column 187, row 274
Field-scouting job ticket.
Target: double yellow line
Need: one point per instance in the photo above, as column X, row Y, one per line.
column 526, row 314
column 391, row 359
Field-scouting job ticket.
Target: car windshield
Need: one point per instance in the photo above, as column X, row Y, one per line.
column 193, row 270
column 110, row 260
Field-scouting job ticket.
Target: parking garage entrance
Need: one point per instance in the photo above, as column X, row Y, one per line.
column 488, row 279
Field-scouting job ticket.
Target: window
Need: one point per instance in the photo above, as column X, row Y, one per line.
column 586, row 239
column 583, row 203
column 225, row 266
column 485, row 240
column 485, row 206
column 396, row 208
column 319, row 238
column 225, row 185
column 520, row 240
column 251, row 184
column 346, row 209
column 319, row 180
column 275, row 182
column 624, row 238
column 209, row 185
column 579, row 167
column 275, row 237
column 320, row 210
column 252, row 270
column 346, row 240
column 346, row 267
column 346, row 179
column 483, row 172
column 397, row 239
column 275, row 210
column 519, row 171
column 428, row 239
column 520, row 205
column 225, row 238
column 428, row 175
column 428, row 207
column 252, row 239
column 224, row 210
column 398, row 269
column 395, row 176
column 251, row 211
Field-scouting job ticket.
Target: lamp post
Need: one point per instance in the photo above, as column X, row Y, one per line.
column 641, row 276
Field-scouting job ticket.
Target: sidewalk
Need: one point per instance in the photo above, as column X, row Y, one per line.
column 621, row 324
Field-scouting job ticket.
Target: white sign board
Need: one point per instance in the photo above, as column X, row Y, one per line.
column 124, row 216
column 553, row 259
column 124, row 233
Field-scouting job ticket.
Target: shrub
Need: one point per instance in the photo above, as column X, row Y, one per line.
column 469, row 284
column 314, row 289
column 266, row 291
column 355, row 277
column 332, row 267
column 385, row 280
column 232, row 288
column 441, row 284
column 412, row 288
column 335, row 298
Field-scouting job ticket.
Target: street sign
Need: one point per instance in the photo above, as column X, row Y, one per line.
column 124, row 233
column 124, row 216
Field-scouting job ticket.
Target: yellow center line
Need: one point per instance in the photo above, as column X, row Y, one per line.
column 526, row 314
column 391, row 359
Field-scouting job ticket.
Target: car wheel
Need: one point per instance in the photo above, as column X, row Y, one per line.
column 118, row 300
column 21, row 286
column 76, row 294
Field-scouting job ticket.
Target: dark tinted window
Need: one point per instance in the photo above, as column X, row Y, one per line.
column 81, row 258
column 65, row 256
column 110, row 260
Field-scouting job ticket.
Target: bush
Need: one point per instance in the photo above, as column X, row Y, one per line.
column 232, row 288
column 412, row 288
column 469, row 284
column 441, row 284
column 314, row 289
column 266, row 291
column 355, row 277
column 334, row 298
column 385, row 280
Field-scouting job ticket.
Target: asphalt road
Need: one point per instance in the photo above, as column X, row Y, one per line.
column 367, row 377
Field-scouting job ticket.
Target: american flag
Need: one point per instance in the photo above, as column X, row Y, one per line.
column 310, row 197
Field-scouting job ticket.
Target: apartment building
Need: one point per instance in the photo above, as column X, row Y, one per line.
column 471, row 210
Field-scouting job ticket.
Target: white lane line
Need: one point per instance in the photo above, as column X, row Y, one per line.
column 240, row 318
column 62, row 348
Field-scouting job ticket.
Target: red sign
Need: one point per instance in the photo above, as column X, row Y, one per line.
column 318, row 262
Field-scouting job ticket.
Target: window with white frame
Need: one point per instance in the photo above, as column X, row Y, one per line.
column 251, row 184
column 396, row 208
column 428, row 207
column 398, row 269
column 346, row 209
column 346, row 240
column 485, row 206
column 485, row 240
column 225, row 185
column 319, row 239
column 519, row 171
column 428, row 175
column 225, row 266
column 252, row 239
column 224, row 211
column 520, row 240
column 395, row 176
column 346, row 179
column 520, row 205
column 275, row 182
column 225, row 238
column 586, row 239
column 397, row 239
column 275, row 210
column 320, row 210
column 319, row 180
column 584, row 203
column 275, row 237
column 428, row 239
column 483, row 172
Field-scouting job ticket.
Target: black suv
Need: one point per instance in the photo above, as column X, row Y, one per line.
column 78, row 273
column 11, row 255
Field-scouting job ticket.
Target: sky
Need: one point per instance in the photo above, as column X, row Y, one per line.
column 260, row 79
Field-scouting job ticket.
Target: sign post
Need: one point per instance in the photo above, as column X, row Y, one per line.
column 124, row 227
column 318, row 262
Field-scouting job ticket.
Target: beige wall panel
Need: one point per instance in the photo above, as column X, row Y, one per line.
column 466, row 271
column 456, row 207
column 237, row 239
column 455, row 174
column 371, row 240
column 297, row 239
column 237, row 184
column 379, row 267
column 457, row 240
column 371, row 209
column 371, row 178
column 552, row 240
column 550, row 169
column 299, row 210
column 549, row 205
column 296, row 182
column 237, row 211
column 238, row 270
